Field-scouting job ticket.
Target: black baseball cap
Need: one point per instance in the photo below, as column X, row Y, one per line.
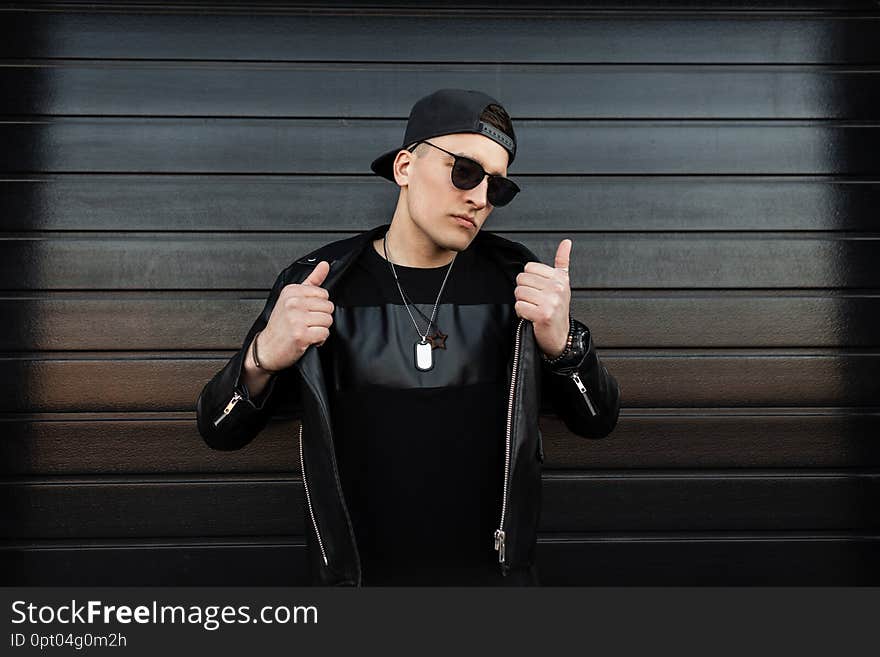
column 446, row 112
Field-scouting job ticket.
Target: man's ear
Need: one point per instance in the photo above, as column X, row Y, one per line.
column 403, row 159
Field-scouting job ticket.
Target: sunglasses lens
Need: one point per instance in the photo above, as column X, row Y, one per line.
column 501, row 191
column 466, row 174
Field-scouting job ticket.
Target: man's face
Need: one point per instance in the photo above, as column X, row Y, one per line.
column 432, row 199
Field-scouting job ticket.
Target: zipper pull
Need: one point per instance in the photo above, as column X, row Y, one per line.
column 499, row 544
column 236, row 397
column 583, row 389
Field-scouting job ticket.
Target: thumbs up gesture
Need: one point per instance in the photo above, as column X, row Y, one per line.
column 302, row 316
column 543, row 296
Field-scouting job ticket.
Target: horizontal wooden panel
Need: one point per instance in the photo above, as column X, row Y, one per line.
column 83, row 443
column 229, row 561
column 717, row 500
column 724, row 378
column 692, row 560
column 606, row 260
column 347, row 146
column 572, row 37
column 568, row 560
column 549, row 91
column 716, row 438
column 299, row 203
column 597, row 502
column 65, row 321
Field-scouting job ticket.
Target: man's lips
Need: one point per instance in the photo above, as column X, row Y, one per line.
column 466, row 218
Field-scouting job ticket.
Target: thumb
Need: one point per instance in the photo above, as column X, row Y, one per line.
column 318, row 274
column 563, row 254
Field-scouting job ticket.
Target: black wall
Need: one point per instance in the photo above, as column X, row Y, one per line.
column 715, row 165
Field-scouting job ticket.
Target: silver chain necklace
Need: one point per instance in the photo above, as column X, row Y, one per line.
column 423, row 358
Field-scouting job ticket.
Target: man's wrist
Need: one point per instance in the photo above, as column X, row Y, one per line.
column 550, row 360
column 252, row 366
column 575, row 355
column 255, row 357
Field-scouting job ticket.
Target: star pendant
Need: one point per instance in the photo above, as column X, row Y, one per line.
column 438, row 340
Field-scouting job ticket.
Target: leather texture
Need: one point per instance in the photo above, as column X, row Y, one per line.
column 368, row 352
column 536, row 388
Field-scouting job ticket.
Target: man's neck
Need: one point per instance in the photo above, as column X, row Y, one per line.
column 408, row 246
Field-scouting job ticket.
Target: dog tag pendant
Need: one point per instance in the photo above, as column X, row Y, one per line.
column 424, row 359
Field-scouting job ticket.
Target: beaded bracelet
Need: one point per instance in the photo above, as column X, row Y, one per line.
column 567, row 350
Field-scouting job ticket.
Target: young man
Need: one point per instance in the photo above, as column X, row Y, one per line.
column 418, row 357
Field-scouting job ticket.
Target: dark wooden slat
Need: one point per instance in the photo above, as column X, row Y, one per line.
column 568, row 560
column 575, row 37
column 132, row 445
column 162, row 382
column 129, row 88
column 719, row 500
column 231, row 561
column 253, row 203
column 598, row 502
column 606, row 260
column 148, row 507
column 219, row 320
column 709, row 560
column 721, row 439
column 708, row 438
column 312, row 146
column 186, row 321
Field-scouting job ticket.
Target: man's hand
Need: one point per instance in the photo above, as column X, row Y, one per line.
column 302, row 316
column 543, row 296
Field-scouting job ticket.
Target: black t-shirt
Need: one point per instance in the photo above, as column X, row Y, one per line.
column 421, row 453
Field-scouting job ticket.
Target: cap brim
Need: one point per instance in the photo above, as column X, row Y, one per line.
column 383, row 165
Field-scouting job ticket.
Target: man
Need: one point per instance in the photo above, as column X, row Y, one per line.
column 416, row 356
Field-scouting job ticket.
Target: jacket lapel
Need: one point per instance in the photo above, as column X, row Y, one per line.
column 319, row 450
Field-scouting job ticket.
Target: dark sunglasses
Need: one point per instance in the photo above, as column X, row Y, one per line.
column 468, row 173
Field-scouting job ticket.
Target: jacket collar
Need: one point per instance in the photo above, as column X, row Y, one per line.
column 341, row 254
column 510, row 256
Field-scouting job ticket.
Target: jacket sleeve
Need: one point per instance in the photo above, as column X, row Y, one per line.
column 580, row 390
column 244, row 417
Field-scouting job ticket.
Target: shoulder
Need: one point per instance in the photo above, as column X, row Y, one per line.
column 331, row 251
column 297, row 270
column 506, row 251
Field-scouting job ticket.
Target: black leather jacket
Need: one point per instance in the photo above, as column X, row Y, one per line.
column 578, row 389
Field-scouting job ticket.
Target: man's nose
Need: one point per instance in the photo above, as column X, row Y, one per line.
column 479, row 193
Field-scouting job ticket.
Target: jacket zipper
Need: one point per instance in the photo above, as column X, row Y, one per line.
column 500, row 537
column 236, row 397
column 308, row 497
column 499, row 533
column 583, row 389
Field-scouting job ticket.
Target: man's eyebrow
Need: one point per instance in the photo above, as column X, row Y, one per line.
column 491, row 173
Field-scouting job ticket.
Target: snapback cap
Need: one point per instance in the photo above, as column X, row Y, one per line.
column 445, row 112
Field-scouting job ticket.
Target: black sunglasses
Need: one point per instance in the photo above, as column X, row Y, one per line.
column 468, row 173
